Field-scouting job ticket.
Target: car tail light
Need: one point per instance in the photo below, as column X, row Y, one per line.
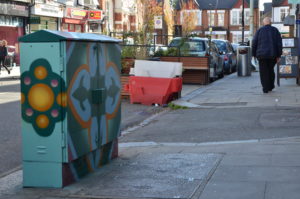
column 225, row 58
column 206, row 54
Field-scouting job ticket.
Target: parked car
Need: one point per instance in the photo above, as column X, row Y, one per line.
column 158, row 47
column 199, row 47
column 235, row 46
column 228, row 55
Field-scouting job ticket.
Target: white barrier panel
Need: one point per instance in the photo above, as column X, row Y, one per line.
column 156, row 69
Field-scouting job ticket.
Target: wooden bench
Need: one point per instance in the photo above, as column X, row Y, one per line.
column 196, row 69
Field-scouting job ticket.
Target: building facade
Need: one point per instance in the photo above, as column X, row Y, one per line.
column 219, row 19
column 280, row 10
column 13, row 22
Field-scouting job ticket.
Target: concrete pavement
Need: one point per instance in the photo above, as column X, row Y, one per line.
column 233, row 91
column 14, row 73
column 266, row 169
column 237, row 144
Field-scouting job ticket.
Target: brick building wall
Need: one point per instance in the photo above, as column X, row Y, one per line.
column 224, row 31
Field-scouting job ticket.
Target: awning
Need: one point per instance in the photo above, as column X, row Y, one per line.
column 73, row 21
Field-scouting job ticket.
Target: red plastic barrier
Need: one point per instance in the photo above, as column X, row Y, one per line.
column 151, row 90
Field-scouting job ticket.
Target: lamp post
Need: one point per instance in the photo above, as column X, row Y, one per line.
column 210, row 19
column 251, row 21
column 243, row 22
column 210, row 27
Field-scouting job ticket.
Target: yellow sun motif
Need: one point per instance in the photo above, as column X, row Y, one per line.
column 41, row 97
column 22, row 98
column 61, row 99
column 42, row 121
column 40, row 72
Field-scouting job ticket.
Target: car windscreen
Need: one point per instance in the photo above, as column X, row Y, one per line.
column 221, row 46
column 190, row 45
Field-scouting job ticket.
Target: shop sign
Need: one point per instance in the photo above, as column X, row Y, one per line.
column 75, row 13
column 78, row 13
column 47, row 10
column 25, row 1
column 158, row 23
column 95, row 15
column 14, row 8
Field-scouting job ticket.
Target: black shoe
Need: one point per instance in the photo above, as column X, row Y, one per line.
column 265, row 91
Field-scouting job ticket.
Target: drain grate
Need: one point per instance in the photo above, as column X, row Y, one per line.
column 225, row 104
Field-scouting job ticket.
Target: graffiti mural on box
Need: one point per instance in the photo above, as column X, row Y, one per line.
column 43, row 97
column 92, row 127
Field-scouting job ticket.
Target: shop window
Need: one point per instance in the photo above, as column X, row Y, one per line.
column 284, row 12
column 65, row 27
column 95, row 27
column 11, row 21
column 71, row 27
column 78, row 28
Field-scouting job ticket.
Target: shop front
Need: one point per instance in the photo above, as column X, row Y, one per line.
column 74, row 20
column 13, row 19
column 95, row 20
column 44, row 16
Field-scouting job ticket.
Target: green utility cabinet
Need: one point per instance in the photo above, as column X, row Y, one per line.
column 70, row 96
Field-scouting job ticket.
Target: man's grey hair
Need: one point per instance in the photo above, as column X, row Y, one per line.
column 267, row 21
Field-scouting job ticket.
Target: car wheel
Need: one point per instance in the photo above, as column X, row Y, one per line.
column 230, row 68
column 214, row 76
column 221, row 74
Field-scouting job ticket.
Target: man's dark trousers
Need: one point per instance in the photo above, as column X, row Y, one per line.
column 267, row 75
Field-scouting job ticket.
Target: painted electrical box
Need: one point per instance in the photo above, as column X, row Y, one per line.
column 70, row 96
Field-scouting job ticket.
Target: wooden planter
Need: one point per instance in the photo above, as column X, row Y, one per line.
column 124, row 81
column 196, row 69
column 127, row 63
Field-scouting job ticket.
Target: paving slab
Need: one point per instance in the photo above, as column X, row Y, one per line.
column 234, row 190
column 152, row 175
column 247, row 160
column 257, row 174
column 211, row 125
column 233, row 89
column 156, row 176
column 285, row 160
column 277, row 190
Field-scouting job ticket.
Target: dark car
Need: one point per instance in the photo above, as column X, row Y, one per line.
column 197, row 46
column 227, row 53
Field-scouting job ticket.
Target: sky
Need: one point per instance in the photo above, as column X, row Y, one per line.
column 261, row 3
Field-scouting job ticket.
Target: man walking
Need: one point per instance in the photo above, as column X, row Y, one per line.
column 267, row 48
